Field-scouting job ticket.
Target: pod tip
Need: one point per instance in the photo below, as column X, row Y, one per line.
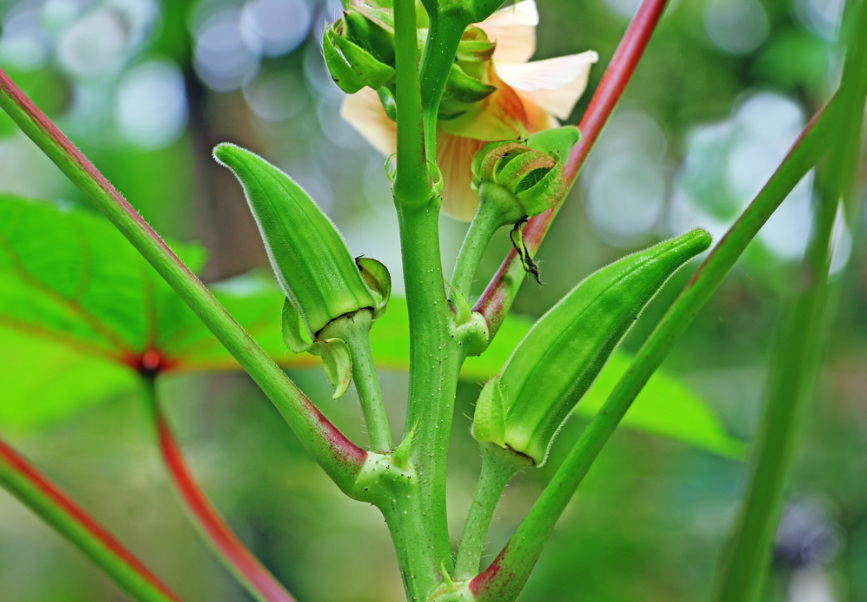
column 702, row 239
column 223, row 152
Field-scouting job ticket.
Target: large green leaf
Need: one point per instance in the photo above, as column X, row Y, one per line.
column 79, row 309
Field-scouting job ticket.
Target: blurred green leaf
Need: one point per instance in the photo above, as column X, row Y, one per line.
column 45, row 381
column 79, row 308
column 68, row 275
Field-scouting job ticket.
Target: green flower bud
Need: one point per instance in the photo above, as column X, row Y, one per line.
column 462, row 11
column 524, row 406
column 372, row 29
column 469, row 80
column 359, row 49
column 524, row 178
column 475, row 47
column 308, row 255
column 463, row 88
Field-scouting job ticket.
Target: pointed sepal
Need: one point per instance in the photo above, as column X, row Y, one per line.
column 378, row 279
column 400, row 457
column 489, row 419
column 292, row 328
column 341, row 72
column 337, row 362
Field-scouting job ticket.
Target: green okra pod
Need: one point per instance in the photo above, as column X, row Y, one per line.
column 322, row 282
column 524, row 406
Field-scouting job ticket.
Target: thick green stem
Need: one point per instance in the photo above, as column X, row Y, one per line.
column 434, row 357
column 396, row 491
column 355, row 331
column 506, row 576
column 434, row 364
column 412, row 183
column 231, row 552
column 499, row 465
column 443, row 37
column 36, row 492
column 340, row 458
column 410, row 535
column 487, row 221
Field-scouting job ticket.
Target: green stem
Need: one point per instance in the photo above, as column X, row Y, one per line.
column 410, row 535
column 434, row 357
column 790, row 388
column 487, row 221
column 355, row 332
column 395, row 489
column 340, row 458
column 499, row 465
column 412, row 183
column 503, row 580
column 443, row 37
column 434, row 364
column 36, row 492
column 229, row 550
column 796, row 361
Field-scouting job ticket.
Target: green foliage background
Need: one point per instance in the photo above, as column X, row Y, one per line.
column 650, row 521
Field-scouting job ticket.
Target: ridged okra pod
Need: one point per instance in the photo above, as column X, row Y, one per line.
column 524, row 406
column 331, row 298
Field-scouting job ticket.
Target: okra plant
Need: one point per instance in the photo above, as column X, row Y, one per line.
column 467, row 128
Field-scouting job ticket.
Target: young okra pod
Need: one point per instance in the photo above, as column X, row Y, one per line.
column 322, row 282
column 524, row 406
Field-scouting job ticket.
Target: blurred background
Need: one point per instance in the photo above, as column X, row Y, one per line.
column 146, row 88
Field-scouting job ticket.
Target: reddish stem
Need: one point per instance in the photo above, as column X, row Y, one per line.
column 43, row 494
column 232, row 551
column 498, row 296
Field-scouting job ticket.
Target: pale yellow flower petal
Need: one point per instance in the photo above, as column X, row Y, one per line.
column 514, row 31
column 455, row 159
column 365, row 113
column 553, row 84
column 538, row 118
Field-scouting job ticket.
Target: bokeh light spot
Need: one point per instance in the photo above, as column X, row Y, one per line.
column 736, row 26
column 277, row 26
column 151, row 109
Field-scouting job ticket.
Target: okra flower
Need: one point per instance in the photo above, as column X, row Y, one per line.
column 528, row 97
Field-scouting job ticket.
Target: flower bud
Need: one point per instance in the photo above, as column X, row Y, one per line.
column 525, row 178
column 462, row 11
column 475, row 47
column 469, row 81
column 524, row 406
column 359, row 49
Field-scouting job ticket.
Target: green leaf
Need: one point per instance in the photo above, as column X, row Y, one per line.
column 79, row 307
column 45, row 382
